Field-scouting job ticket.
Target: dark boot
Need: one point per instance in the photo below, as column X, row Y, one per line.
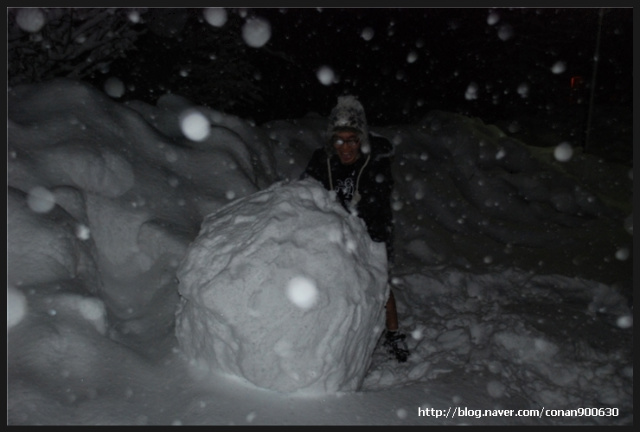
column 396, row 345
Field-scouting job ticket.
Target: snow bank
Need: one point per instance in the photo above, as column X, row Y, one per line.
column 92, row 290
column 284, row 289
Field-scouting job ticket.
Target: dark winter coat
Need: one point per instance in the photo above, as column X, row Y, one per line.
column 374, row 186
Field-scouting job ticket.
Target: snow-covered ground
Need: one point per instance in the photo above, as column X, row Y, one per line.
column 513, row 274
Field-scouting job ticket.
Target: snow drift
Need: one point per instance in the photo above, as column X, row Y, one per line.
column 303, row 318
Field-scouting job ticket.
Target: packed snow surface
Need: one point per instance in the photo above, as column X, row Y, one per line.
column 292, row 310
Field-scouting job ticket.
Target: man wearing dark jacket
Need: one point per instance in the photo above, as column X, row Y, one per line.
column 357, row 166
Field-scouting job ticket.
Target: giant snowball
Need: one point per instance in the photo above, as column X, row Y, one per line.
column 283, row 289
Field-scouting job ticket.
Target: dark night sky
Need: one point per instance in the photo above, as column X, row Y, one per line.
column 454, row 48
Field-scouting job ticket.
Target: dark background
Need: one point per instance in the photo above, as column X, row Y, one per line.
column 454, row 46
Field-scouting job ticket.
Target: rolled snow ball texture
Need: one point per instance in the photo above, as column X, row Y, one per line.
column 285, row 290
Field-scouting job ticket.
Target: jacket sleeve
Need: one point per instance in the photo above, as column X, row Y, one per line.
column 317, row 168
column 375, row 206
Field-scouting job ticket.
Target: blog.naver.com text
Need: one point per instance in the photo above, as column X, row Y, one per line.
column 466, row 413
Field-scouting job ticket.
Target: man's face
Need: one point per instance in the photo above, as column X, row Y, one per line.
column 347, row 145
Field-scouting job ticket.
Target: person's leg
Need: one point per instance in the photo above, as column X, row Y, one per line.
column 393, row 338
column 392, row 314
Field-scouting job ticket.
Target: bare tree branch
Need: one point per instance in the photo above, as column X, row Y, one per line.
column 74, row 42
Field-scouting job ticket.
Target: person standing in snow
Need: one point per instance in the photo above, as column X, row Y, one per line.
column 357, row 166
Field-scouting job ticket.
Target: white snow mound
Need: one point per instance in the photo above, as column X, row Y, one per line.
column 268, row 259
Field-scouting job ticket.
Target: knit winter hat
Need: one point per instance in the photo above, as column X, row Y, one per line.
column 349, row 114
